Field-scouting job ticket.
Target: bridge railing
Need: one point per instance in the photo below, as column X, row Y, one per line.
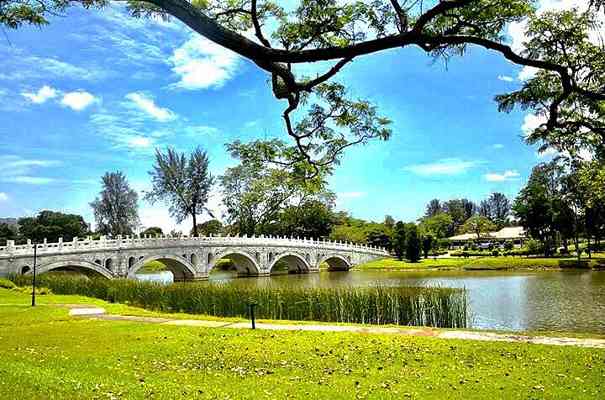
column 87, row 244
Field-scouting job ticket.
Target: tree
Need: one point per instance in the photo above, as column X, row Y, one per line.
column 433, row 208
column 380, row 237
column 497, row 208
column 152, row 231
column 208, row 228
column 412, row 243
column 183, row 183
column 389, row 222
column 439, row 225
column 255, row 192
column 427, row 245
column 52, row 225
column 116, row 208
column 399, row 240
column 566, row 91
column 311, row 219
column 534, row 206
column 459, row 210
column 7, row 232
column 478, row 225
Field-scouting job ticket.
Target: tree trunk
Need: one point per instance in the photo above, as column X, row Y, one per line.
column 194, row 224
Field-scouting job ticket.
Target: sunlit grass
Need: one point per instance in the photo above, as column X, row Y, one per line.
column 47, row 354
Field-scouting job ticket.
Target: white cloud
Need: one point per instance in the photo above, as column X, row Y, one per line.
column 202, row 64
column 140, row 141
column 547, row 153
column 446, row 166
column 16, row 169
column 44, row 93
column 498, row 146
column 3, row 196
column 532, row 122
column 505, row 78
column 509, row 175
column 78, row 100
column 527, row 73
column 147, row 105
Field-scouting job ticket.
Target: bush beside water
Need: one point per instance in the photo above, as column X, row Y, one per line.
column 437, row 307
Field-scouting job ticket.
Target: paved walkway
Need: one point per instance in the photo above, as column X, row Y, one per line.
column 99, row 313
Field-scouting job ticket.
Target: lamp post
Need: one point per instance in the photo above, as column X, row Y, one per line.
column 34, row 280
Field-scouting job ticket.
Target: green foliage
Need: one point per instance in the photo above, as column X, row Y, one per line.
column 182, row 182
column 412, row 243
column 440, row 225
column 7, row 284
column 508, row 245
column 152, row 231
column 255, row 192
column 478, row 225
column 7, row 232
column 310, row 219
column 437, row 307
column 534, row 247
column 52, row 225
column 116, row 208
column 427, row 245
column 399, row 240
column 208, row 228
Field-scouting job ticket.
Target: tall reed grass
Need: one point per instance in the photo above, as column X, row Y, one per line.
column 419, row 306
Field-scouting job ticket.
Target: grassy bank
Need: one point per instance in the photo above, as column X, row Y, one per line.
column 50, row 355
column 481, row 263
column 438, row 307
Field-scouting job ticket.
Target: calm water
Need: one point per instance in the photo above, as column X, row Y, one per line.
column 572, row 301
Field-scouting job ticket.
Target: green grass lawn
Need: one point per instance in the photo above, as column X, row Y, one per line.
column 46, row 354
column 477, row 263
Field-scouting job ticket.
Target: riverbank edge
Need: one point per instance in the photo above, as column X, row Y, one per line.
column 129, row 312
column 446, row 334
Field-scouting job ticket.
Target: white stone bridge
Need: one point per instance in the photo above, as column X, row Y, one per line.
column 188, row 258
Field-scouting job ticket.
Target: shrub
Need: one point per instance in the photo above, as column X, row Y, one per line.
column 534, row 247
column 495, row 253
column 6, row 284
column 508, row 245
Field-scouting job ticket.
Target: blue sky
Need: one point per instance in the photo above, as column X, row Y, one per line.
column 98, row 91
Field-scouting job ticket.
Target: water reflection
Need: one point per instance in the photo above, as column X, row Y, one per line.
column 555, row 301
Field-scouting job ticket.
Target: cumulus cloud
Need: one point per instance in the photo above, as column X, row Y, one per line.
column 532, row 122
column 78, row 100
column 147, row 105
column 508, row 175
column 505, row 78
column 42, row 95
column 202, row 64
column 3, row 196
column 445, row 166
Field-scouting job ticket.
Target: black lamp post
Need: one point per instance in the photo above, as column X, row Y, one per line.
column 34, row 280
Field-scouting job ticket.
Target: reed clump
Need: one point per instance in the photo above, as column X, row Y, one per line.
column 417, row 306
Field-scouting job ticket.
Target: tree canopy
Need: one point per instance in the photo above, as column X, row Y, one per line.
column 52, row 225
column 182, row 182
column 567, row 91
column 116, row 209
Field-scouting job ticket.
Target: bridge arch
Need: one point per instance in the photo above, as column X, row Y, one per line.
column 180, row 267
column 296, row 263
column 244, row 262
column 85, row 267
column 336, row 262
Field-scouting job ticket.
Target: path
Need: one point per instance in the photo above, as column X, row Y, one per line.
column 99, row 313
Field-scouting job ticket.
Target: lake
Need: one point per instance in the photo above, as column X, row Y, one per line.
column 564, row 301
